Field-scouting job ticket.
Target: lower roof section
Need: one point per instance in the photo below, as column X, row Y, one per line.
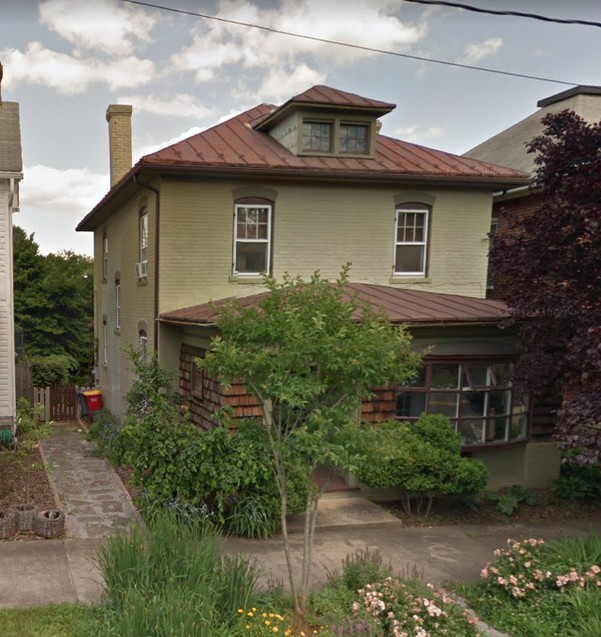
column 400, row 306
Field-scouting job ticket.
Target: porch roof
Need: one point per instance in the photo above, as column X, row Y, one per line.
column 400, row 305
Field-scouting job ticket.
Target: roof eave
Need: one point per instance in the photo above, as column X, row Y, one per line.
column 89, row 222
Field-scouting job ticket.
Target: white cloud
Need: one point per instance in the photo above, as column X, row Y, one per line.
column 105, row 25
column 281, row 83
column 369, row 23
column 180, row 105
column 74, row 190
column 416, row 135
column 140, row 151
column 70, row 74
column 479, row 50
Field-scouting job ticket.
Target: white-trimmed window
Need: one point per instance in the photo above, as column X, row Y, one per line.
column 411, row 239
column 105, row 342
column 143, row 236
column 105, row 256
column 143, row 345
column 118, row 304
column 252, row 238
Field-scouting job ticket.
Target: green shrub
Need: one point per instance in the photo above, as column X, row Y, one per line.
column 423, row 459
column 578, row 482
column 508, row 500
column 56, row 369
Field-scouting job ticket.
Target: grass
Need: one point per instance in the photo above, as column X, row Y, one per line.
column 61, row 620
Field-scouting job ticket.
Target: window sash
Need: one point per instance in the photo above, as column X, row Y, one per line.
column 354, row 138
column 318, row 136
column 143, row 237
column 105, row 345
column 252, row 239
column 118, row 306
column 105, row 257
column 411, row 240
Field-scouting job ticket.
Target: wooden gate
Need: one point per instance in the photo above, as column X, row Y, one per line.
column 60, row 401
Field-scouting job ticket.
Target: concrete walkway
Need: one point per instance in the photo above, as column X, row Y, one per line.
column 97, row 504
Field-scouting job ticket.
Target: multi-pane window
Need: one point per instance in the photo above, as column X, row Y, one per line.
column 197, row 381
column 354, row 138
column 411, row 240
column 118, row 304
column 143, row 237
column 252, row 223
column 105, row 257
column 476, row 396
column 317, row 137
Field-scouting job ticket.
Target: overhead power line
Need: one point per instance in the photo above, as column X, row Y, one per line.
column 349, row 45
column 515, row 14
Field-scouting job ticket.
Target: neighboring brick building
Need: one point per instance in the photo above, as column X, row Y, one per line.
column 312, row 185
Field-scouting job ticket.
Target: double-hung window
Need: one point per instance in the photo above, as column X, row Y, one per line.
column 143, row 237
column 411, row 239
column 105, row 257
column 118, row 305
column 252, row 238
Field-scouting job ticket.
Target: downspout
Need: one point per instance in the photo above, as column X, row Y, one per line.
column 157, row 193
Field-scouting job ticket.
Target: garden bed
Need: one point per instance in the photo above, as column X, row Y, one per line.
column 548, row 509
column 23, row 480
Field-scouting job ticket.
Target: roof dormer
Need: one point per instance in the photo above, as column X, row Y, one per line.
column 326, row 122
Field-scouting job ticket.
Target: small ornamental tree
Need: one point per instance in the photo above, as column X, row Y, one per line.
column 550, row 265
column 309, row 352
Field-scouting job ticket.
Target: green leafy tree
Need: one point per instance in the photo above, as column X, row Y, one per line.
column 309, row 352
column 53, row 296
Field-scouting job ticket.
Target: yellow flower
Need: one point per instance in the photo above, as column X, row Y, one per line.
column 241, row 610
column 250, row 613
column 267, row 622
column 263, row 614
column 275, row 629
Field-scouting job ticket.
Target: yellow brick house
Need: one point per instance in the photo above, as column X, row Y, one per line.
column 312, row 184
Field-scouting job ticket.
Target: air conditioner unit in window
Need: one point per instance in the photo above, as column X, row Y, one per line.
column 142, row 269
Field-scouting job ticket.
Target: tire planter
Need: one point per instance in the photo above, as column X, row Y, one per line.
column 49, row 524
column 25, row 514
column 8, row 524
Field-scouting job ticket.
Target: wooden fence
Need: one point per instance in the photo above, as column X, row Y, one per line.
column 60, row 401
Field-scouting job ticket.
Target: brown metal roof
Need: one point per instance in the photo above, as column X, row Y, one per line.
column 400, row 306
column 325, row 96
column 235, row 144
column 237, row 147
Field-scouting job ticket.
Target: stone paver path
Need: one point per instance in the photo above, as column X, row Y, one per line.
column 94, row 499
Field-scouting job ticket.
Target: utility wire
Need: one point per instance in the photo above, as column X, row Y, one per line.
column 349, row 44
column 518, row 14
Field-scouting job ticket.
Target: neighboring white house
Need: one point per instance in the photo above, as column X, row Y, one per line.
column 11, row 172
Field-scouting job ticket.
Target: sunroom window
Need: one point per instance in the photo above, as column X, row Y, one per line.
column 476, row 396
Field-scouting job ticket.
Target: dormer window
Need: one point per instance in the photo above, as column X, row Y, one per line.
column 354, row 138
column 317, row 137
column 336, row 136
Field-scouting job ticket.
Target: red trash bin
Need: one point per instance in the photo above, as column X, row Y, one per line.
column 93, row 400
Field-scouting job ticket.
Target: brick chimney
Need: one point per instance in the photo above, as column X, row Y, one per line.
column 119, row 118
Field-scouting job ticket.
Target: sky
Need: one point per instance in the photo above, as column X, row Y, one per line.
column 65, row 61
